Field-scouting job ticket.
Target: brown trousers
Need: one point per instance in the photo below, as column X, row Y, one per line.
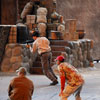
column 47, row 70
column 71, row 90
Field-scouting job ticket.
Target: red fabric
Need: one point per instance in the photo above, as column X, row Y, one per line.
column 62, row 79
column 60, row 58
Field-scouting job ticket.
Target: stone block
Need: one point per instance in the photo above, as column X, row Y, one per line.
column 61, row 28
column 25, row 59
column 13, row 60
column 6, row 61
column 27, row 9
column 15, row 66
column 42, row 11
column 42, row 29
column 5, row 68
column 26, row 65
column 17, row 51
column 8, row 52
column 41, row 19
column 20, row 58
column 30, row 19
column 30, row 63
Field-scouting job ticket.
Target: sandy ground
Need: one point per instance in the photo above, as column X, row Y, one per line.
column 91, row 89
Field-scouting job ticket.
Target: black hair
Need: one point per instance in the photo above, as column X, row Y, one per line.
column 36, row 33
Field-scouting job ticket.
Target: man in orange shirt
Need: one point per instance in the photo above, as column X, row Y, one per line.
column 74, row 80
column 21, row 88
column 41, row 45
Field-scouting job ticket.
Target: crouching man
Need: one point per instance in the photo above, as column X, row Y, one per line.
column 74, row 80
column 42, row 46
column 21, row 88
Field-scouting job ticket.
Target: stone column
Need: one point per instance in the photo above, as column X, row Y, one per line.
column 16, row 55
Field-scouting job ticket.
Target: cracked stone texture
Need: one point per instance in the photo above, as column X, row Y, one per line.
column 87, row 13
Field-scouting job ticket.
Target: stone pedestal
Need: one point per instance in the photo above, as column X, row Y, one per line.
column 16, row 55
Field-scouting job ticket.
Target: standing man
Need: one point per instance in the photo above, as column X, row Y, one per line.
column 74, row 79
column 42, row 46
column 21, row 88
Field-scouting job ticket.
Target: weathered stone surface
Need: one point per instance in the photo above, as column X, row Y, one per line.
column 41, row 19
column 15, row 66
column 16, row 55
column 13, row 60
column 25, row 59
column 30, row 63
column 27, row 9
column 42, row 29
column 24, row 52
column 8, row 53
column 20, row 58
column 5, row 68
column 6, row 61
column 26, row 65
column 11, row 45
column 17, row 51
column 80, row 53
column 88, row 18
column 42, row 11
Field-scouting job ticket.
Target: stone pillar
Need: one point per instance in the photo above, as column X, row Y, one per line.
column 16, row 55
column 80, row 53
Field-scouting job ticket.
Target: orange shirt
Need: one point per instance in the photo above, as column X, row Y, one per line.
column 20, row 88
column 41, row 44
column 71, row 74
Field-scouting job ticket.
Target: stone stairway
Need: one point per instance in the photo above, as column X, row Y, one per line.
column 57, row 47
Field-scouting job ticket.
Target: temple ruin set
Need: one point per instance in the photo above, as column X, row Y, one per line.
column 42, row 15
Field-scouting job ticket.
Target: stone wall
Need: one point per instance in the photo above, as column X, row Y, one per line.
column 16, row 55
column 80, row 53
column 88, row 18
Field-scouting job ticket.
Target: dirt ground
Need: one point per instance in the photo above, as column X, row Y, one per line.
column 91, row 89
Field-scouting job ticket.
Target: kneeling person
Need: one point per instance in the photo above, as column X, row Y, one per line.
column 74, row 80
column 21, row 88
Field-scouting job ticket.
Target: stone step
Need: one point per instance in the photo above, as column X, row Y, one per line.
column 38, row 64
column 57, row 48
column 36, row 70
column 56, row 53
column 38, row 61
column 38, row 58
column 59, row 42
